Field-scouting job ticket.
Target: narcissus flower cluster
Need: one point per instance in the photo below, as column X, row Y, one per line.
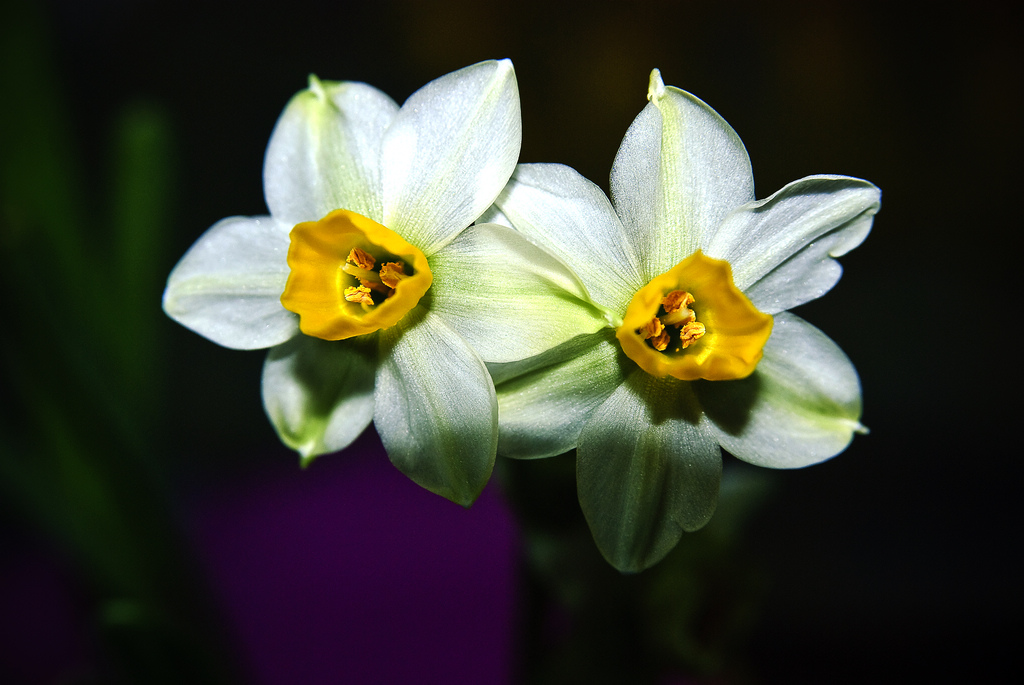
column 410, row 274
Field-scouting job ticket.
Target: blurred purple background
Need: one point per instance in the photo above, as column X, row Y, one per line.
column 343, row 572
column 348, row 571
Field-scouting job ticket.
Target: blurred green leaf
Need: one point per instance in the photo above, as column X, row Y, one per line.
column 140, row 219
column 81, row 358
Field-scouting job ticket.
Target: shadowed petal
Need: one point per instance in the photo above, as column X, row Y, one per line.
column 542, row 411
column 801, row 405
column 318, row 393
column 435, row 408
column 648, row 468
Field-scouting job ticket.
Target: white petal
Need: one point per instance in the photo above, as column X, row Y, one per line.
column 635, row 192
column 449, row 153
column 571, row 217
column 319, row 394
column 508, row 298
column 493, row 215
column 680, row 169
column 541, row 412
column 781, row 248
column 801, row 405
column 228, row 285
column 647, row 469
column 435, row 407
column 325, row 151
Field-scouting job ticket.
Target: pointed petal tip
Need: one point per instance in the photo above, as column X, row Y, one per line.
column 316, row 86
column 655, row 87
column 466, row 501
column 465, row 497
column 307, row 451
column 503, row 69
column 168, row 302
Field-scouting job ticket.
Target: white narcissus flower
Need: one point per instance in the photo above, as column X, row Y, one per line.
column 698, row 353
column 355, row 281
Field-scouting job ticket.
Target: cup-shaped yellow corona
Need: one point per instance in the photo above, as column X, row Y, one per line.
column 351, row 276
column 692, row 322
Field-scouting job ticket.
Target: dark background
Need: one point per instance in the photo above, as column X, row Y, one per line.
column 894, row 559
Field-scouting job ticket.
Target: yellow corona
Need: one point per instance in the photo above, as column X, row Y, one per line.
column 692, row 322
column 351, row 276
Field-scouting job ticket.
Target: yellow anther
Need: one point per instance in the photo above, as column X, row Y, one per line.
column 676, row 305
column 359, row 294
column 660, row 342
column 676, row 300
column 691, row 333
column 652, row 328
column 361, row 258
column 364, row 276
column 392, row 273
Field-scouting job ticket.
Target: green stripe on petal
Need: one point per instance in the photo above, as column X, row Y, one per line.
column 648, row 468
column 507, row 297
column 680, row 169
column 449, row 152
column 781, row 248
column 236, row 301
column 435, row 408
column 800, row 407
column 324, row 153
column 319, row 394
column 543, row 408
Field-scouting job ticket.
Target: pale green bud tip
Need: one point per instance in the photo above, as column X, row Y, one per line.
column 656, row 88
column 316, row 87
